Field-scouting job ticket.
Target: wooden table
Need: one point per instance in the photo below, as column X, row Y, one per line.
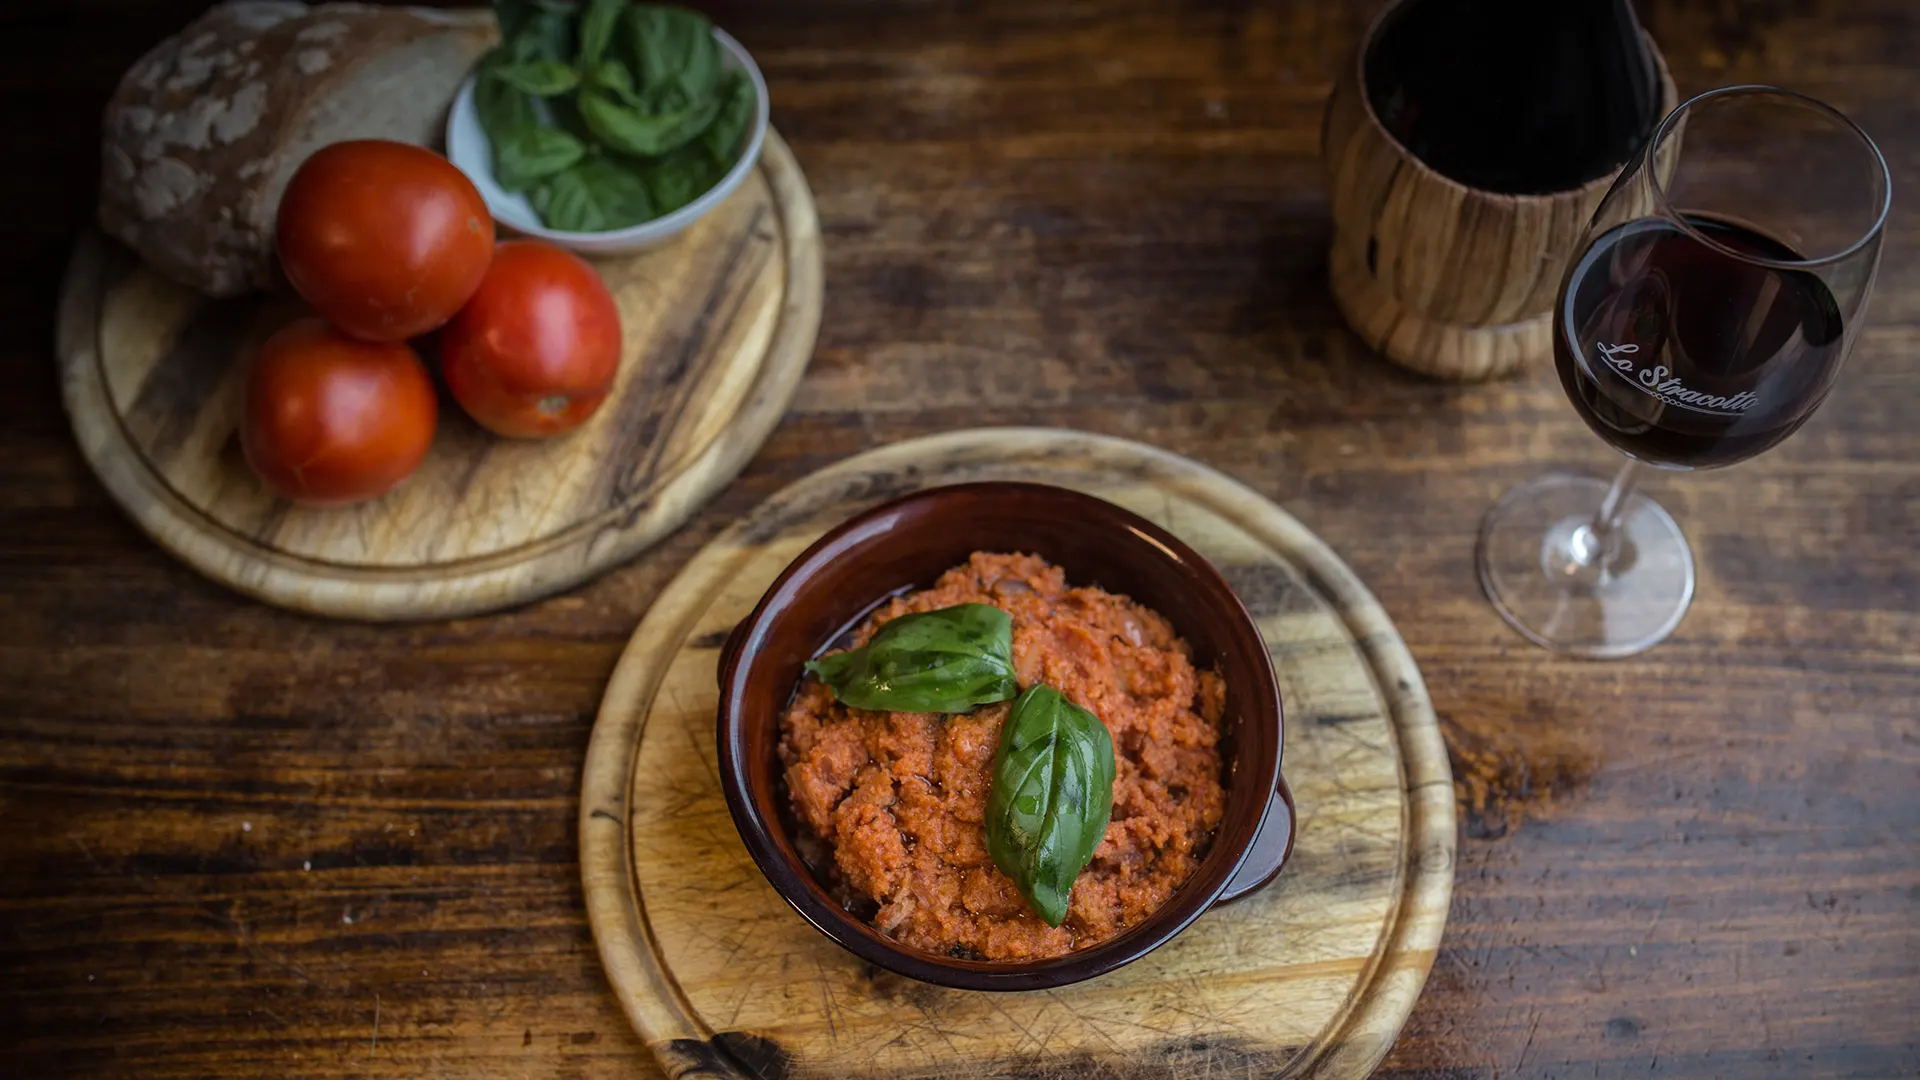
column 239, row 842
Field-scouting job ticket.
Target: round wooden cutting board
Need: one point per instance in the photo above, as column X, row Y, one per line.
column 1310, row 978
column 719, row 327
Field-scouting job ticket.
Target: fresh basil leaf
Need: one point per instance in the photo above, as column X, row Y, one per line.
column 722, row 139
column 595, row 195
column 612, row 76
column 564, row 113
column 524, row 149
column 513, row 16
column 629, row 131
column 932, row 661
column 500, row 107
column 680, row 177
column 597, row 24
column 649, row 50
column 541, row 78
column 533, row 155
column 545, row 34
column 1051, row 798
column 672, row 53
column 700, row 57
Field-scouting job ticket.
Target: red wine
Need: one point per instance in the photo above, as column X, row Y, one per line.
column 1515, row 96
column 1683, row 354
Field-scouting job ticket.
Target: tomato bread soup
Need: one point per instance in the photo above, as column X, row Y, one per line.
column 894, row 805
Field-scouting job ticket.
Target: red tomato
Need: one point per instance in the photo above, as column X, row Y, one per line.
column 330, row 419
column 384, row 238
column 535, row 351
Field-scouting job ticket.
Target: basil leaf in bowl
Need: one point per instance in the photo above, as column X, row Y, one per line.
column 541, row 78
column 945, row 661
column 611, row 76
column 581, row 88
column 525, row 151
column 543, row 33
column 630, row 131
column 680, row 177
column 594, row 195
column 722, row 137
column 597, row 25
column 672, row 52
column 1052, row 795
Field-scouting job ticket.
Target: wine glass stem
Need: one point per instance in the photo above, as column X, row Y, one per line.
column 1579, row 556
column 1612, row 508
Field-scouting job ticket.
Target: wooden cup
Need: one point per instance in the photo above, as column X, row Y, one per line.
column 1448, row 280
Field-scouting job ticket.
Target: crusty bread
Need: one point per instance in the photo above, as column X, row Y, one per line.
column 205, row 130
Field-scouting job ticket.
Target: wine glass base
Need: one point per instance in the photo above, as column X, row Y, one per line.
column 1626, row 605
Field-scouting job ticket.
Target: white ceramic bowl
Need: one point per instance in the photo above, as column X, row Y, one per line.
column 469, row 150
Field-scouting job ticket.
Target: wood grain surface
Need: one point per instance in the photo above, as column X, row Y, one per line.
column 1310, row 978
column 717, row 329
column 241, row 842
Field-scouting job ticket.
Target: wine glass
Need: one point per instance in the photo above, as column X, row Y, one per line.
column 1707, row 312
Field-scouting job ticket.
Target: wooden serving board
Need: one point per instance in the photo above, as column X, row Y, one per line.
column 719, row 328
column 1310, row 978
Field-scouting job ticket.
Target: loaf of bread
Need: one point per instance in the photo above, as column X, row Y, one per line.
column 204, row 131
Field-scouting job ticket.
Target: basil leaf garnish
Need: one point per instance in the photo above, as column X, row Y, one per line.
column 933, row 661
column 1052, row 795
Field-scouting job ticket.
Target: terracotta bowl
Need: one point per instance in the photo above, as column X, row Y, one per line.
column 908, row 543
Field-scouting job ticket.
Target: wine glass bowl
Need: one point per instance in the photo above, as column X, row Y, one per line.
column 1705, row 316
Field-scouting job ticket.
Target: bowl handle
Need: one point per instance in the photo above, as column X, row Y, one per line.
column 730, row 649
column 1272, row 844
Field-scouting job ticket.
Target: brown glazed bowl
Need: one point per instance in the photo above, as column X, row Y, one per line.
column 908, row 543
